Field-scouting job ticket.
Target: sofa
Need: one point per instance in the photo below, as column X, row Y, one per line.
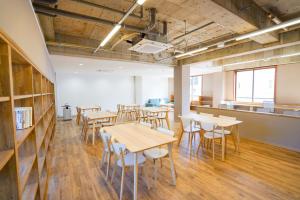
column 157, row 102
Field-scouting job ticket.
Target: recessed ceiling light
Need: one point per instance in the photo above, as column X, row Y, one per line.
column 80, row 64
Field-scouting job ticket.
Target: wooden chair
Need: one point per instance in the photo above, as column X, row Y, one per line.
column 109, row 122
column 125, row 160
column 141, row 115
column 158, row 153
column 210, row 135
column 161, row 117
column 78, row 115
column 107, row 150
column 146, row 124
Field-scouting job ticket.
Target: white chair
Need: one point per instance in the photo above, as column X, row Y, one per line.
column 227, row 132
column 210, row 135
column 158, row 152
column 107, row 150
column 188, row 126
column 124, row 160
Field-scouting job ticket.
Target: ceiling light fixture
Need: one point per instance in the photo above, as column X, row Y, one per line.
column 191, row 52
column 141, row 2
column 80, row 64
column 269, row 29
column 119, row 24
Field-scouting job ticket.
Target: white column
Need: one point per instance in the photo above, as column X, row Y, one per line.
column 181, row 90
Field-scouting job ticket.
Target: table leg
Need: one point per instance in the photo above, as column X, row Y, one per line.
column 191, row 138
column 94, row 131
column 223, row 145
column 238, row 138
column 167, row 120
column 135, row 189
column 173, row 174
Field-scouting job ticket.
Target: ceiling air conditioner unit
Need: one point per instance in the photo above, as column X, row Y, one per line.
column 150, row 46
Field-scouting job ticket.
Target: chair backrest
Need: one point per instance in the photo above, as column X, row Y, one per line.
column 146, row 124
column 119, row 150
column 185, row 122
column 208, row 126
column 166, row 131
column 106, row 137
column 228, row 118
column 206, row 114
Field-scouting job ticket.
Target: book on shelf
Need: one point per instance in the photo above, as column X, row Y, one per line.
column 23, row 117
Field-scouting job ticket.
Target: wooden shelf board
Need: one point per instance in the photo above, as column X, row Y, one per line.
column 25, row 169
column 30, row 191
column 22, row 135
column 43, row 184
column 41, row 164
column 37, row 95
column 4, row 99
column 16, row 97
column 5, row 157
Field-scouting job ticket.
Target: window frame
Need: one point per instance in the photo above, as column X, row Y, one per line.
column 191, row 99
column 255, row 69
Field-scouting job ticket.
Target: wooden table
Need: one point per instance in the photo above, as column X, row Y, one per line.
column 95, row 116
column 157, row 110
column 84, row 109
column 220, row 122
column 138, row 138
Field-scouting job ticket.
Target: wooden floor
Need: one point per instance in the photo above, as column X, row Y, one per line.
column 260, row 171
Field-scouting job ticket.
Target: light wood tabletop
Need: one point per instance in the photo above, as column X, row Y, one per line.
column 94, row 116
column 220, row 122
column 138, row 138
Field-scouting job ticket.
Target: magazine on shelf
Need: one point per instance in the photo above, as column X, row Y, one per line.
column 23, row 117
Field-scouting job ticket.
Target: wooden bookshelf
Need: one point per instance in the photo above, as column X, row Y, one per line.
column 24, row 157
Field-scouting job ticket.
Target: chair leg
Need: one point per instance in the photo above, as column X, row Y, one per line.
column 108, row 165
column 180, row 137
column 213, row 147
column 103, row 158
column 114, row 172
column 155, row 173
column 122, row 183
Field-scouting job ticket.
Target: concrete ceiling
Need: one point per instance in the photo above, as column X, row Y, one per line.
column 79, row 65
column 219, row 19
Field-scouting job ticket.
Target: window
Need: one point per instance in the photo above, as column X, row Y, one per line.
column 255, row 85
column 195, row 87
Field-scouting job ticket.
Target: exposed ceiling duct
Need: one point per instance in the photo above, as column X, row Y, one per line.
column 46, row 10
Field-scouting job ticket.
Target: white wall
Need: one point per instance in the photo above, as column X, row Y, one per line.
column 93, row 89
column 18, row 21
column 149, row 87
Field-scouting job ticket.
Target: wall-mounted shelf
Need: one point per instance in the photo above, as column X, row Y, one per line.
column 24, row 157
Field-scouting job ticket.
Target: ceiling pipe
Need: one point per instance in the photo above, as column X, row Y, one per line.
column 46, row 10
column 108, row 8
column 192, row 31
column 242, row 37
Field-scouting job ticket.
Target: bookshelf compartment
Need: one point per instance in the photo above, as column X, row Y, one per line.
column 30, row 191
column 38, row 111
column 37, row 82
column 40, row 133
column 27, row 156
column 44, row 85
column 6, row 127
column 4, row 69
column 8, row 180
column 43, row 181
column 22, row 75
column 41, row 157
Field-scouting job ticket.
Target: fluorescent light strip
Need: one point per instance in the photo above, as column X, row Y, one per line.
column 263, row 59
column 269, row 29
column 118, row 26
column 191, row 52
column 110, row 35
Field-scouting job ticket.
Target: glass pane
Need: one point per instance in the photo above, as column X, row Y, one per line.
column 264, row 83
column 244, row 80
column 196, row 87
